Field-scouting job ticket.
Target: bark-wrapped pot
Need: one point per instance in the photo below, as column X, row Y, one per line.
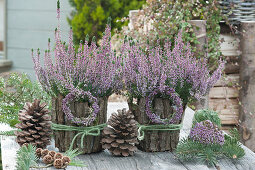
column 63, row 139
column 155, row 141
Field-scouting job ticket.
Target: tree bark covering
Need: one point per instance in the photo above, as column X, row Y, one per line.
column 155, row 141
column 63, row 139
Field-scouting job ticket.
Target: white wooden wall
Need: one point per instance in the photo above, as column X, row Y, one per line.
column 29, row 25
column 1, row 20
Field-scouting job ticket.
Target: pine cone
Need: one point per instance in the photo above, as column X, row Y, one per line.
column 58, row 156
column 121, row 137
column 48, row 159
column 66, row 160
column 58, row 163
column 35, row 125
column 39, row 152
column 44, row 153
column 52, row 153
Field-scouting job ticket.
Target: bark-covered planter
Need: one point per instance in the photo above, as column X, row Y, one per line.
column 155, row 141
column 63, row 139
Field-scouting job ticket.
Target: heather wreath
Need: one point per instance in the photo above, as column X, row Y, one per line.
column 161, row 72
column 87, row 74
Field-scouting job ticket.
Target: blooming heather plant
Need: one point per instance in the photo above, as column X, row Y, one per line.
column 85, row 75
column 161, row 72
column 207, row 133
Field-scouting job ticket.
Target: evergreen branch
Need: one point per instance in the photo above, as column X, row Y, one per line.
column 8, row 133
column 26, row 157
column 189, row 150
column 73, row 153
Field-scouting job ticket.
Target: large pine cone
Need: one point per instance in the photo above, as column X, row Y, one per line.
column 35, row 125
column 121, row 137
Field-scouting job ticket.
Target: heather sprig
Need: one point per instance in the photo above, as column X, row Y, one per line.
column 161, row 69
column 207, row 133
column 84, row 74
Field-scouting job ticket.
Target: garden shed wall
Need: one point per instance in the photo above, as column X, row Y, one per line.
column 29, row 25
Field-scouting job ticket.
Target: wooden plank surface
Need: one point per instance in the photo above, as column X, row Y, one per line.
column 140, row 161
column 230, row 45
column 228, row 80
column 223, row 92
column 228, row 110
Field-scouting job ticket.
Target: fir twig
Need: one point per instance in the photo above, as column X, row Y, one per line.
column 26, row 157
column 72, row 154
column 8, row 133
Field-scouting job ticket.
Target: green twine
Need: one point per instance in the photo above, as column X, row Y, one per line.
column 96, row 130
column 169, row 127
column 83, row 131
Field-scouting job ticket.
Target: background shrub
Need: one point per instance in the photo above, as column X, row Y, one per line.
column 15, row 92
column 90, row 16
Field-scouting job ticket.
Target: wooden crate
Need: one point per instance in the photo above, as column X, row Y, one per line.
column 228, row 110
column 223, row 97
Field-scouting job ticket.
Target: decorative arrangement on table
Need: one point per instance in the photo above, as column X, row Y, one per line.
column 121, row 135
column 80, row 83
column 163, row 81
column 207, row 143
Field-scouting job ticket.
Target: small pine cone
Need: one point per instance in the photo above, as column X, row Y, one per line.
column 58, row 163
column 39, row 152
column 48, row 159
column 34, row 125
column 66, row 160
column 52, row 153
column 44, row 152
column 58, row 156
column 121, row 137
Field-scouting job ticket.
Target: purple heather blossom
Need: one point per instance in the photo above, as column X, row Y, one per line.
column 207, row 133
column 167, row 73
column 85, row 75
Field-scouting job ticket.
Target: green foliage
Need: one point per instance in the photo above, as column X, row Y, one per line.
column 8, row 133
column 90, row 16
column 26, row 157
column 72, row 154
column 1, row 166
column 190, row 150
column 14, row 93
column 169, row 17
column 206, row 114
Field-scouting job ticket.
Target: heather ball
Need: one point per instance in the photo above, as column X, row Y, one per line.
column 207, row 133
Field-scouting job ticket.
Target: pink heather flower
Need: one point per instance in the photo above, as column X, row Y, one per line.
column 207, row 133
column 166, row 73
column 90, row 73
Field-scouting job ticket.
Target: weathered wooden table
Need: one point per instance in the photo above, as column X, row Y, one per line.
column 140, row 161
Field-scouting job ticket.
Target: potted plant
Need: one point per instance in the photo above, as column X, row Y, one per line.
column 163, row 80
column 80, row 82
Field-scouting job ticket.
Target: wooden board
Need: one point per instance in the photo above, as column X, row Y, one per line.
column 223, row 92
column 228, row 110
column 228, row 80
column 141, row 160
column 230, row 45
